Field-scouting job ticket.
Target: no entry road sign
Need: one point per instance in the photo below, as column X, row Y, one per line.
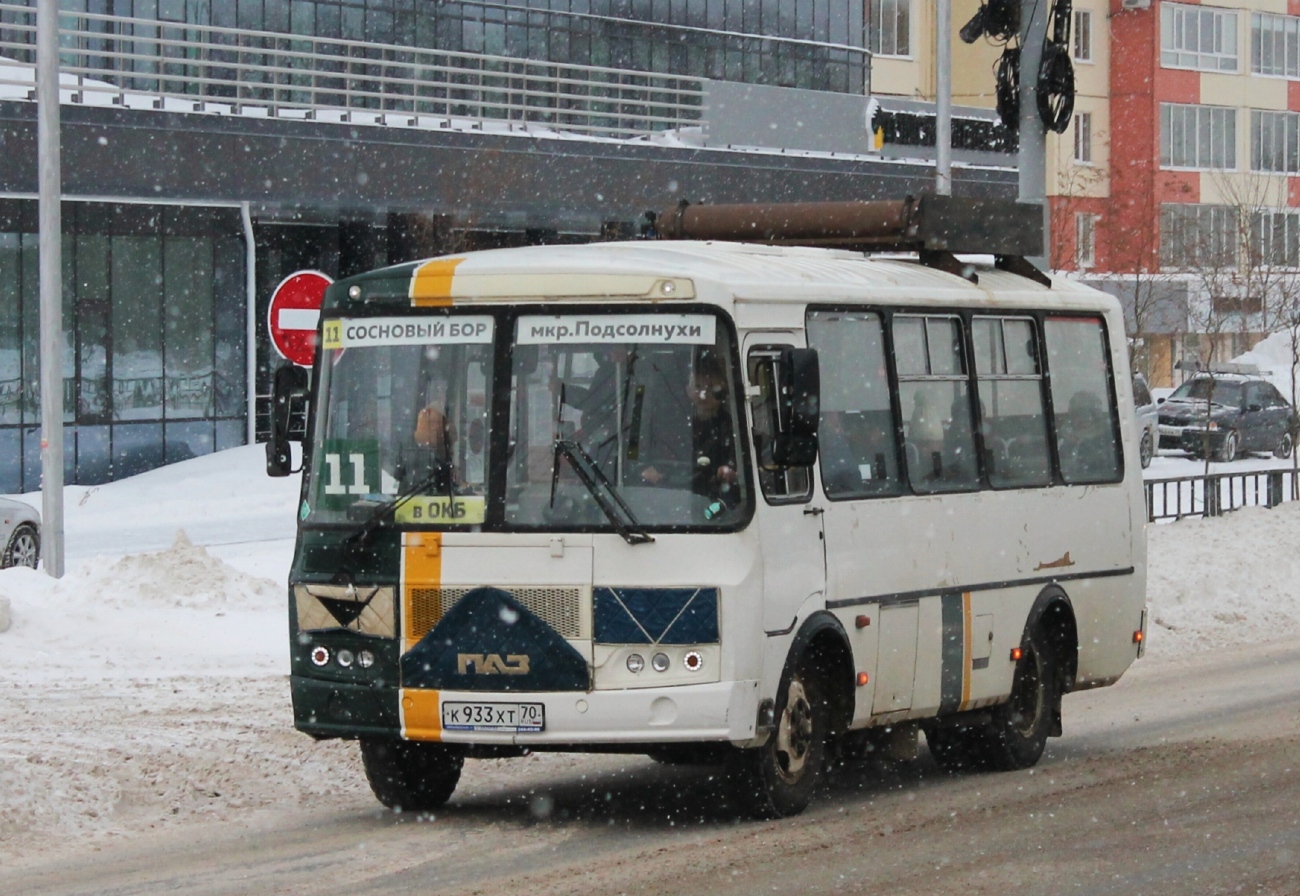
column 295, row 314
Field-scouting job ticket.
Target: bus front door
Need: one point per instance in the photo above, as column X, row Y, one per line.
column 791, row 536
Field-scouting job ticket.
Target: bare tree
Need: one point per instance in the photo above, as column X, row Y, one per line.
column 1134, row 256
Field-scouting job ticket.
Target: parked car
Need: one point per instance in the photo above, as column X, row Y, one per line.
column 1148, row 420
column 1225, row 414
column 20, row 533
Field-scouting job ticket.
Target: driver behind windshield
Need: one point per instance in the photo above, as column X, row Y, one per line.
column 713, row 441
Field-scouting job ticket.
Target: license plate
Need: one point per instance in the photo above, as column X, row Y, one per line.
column 509, row 717
column 1171, row 430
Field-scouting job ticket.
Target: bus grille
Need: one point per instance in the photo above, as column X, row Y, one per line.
column 560, row 607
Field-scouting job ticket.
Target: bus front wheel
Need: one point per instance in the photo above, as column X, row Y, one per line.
column 411, row 776
column 777, row 780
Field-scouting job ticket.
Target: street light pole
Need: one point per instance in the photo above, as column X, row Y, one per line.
column 1032, row 160
column 943, row 101
column 50, row 227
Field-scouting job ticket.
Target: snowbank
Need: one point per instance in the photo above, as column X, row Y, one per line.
column 178, row 612
column 1224, row 581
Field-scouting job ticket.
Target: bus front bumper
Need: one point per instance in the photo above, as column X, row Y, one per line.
column 723, row 711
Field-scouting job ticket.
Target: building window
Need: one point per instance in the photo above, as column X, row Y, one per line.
column 890, row 27
column 1198, row 236
column 1085, row 240
column 1275, row 142
column 1083, row 138
column 1275, row 45
column 1198, row 137
column 1082, row 35
column 1197, row 37
column 1275, row 238
column 155, row 353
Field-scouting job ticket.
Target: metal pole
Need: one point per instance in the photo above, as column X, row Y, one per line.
column 51, row 285
column 250, row 319
column 1033, row 133
column 943, row 101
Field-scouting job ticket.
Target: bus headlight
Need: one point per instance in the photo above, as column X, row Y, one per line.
column 635, row 663
column 320, row 656
column 660, row 662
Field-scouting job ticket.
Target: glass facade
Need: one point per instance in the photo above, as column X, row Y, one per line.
column 154, row 341
column 813, row 44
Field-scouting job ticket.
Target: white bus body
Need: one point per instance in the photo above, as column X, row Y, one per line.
column 956, row 557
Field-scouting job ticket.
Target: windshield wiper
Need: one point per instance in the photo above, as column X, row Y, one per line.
column 598, row 484
column 358, row 538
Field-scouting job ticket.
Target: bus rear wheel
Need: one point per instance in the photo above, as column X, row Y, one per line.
column 777, row 780
column 411, row 776
column 1018, row 733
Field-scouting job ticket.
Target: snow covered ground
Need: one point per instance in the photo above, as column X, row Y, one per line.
column 148, row 688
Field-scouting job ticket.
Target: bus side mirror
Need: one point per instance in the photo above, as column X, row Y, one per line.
column 800, row 385
column 290, row 384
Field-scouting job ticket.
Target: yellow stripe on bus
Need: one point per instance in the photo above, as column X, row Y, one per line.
column 421, row 715
column 431, row 283
column 421, row 569
column 966, row 657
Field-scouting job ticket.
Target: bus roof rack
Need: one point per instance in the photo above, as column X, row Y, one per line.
column 935, row 227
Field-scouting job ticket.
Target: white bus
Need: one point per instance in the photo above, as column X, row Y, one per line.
column 711, row 502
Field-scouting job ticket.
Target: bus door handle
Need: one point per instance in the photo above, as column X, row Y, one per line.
column 812, row 511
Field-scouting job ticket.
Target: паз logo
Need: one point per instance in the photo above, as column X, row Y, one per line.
column 492, row 663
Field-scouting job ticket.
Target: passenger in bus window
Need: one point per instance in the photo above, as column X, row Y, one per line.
column 1087, row 443
column 925, row 438
column 841, row 472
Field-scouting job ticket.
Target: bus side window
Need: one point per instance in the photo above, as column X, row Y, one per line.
column 1014, row 418
column 934, row 393
column 780, row 484
column 856, row 438
column 1083, row 402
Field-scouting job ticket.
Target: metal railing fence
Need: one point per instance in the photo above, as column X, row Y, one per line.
column 238, row 71
column 1218, row 493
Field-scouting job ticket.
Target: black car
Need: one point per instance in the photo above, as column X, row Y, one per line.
column 1224, row 414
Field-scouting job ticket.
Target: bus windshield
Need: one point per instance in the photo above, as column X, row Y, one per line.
column 405, row 405
column 647, row 401
column 617, row 422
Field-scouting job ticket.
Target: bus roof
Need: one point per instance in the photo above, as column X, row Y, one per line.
column 717, row 272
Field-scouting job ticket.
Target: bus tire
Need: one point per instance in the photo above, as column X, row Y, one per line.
column 411, row 776
column 777, row 780
column 1017, row 735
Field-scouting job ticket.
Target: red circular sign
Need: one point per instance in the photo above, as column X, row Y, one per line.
column 294, row 315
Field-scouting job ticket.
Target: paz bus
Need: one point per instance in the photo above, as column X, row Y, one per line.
column 743, row 493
